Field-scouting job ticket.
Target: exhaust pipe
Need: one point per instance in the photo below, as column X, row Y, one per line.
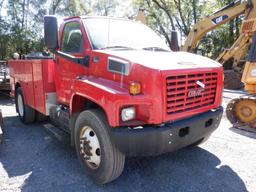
column 174, row 41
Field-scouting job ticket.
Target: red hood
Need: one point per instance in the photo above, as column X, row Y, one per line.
column 163, row 60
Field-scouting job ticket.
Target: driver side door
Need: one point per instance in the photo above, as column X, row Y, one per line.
column 67, row 70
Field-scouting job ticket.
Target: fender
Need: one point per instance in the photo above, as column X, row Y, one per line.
column 101, row 93
column 108, row 95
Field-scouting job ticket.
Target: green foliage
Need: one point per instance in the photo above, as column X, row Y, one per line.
column 19, row 31
column 221, row 38
column 22, row 29
column 167, row 15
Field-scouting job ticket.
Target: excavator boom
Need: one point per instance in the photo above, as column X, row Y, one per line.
column 213, row 21
column 241, row 45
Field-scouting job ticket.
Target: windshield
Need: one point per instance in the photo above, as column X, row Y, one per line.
column 110, row 33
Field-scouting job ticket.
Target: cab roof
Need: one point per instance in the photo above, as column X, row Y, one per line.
column 92, row 17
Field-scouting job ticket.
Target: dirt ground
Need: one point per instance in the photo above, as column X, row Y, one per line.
column 32, row 160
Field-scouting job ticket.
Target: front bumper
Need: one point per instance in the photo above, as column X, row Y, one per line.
column 153, row 140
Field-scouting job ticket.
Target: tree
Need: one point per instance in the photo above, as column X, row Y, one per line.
column 24, row 31
column 167, row 15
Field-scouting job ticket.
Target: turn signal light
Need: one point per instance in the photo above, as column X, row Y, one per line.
column 135, row 88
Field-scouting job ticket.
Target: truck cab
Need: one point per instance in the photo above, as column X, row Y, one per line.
column 118, row 90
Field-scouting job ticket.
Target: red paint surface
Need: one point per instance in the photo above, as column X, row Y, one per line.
column 36, row 78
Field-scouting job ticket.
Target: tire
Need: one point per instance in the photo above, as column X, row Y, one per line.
column 40, row 117
column 111, row 163
column 26, row 113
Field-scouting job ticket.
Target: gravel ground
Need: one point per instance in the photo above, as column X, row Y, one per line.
column 32, row 160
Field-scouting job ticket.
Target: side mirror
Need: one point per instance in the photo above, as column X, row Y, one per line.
column 51, row 32
column 174, row 41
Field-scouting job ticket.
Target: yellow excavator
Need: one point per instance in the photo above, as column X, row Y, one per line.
column 241, row 112
column 238, row 50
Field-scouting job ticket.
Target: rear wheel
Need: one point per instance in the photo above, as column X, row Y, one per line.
column 26, row 113
column 102, row 160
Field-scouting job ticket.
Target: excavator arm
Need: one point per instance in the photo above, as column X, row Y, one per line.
column 237, row 50
column 213, row 21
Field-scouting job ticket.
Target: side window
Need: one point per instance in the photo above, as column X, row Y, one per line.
column 72, row 41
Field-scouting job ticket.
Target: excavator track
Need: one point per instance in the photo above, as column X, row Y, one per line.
column 241, row 112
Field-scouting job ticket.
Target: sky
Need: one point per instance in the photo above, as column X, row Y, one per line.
column 4, row 12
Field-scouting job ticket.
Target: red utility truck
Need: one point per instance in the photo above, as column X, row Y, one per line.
column 117, row 90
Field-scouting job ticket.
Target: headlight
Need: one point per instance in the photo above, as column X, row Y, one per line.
column 128, row 113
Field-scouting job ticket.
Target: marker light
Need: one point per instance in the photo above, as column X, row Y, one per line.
column 135, row 88
column 128, row 113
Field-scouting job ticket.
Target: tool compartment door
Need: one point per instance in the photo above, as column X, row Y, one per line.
column 27, row 82
column 38, row 86
column 43, row 82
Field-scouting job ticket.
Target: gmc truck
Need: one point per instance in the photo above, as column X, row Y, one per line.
column 116, row 90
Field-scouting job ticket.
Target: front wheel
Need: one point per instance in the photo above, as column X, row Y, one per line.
column 102, row 160
column 26, row 113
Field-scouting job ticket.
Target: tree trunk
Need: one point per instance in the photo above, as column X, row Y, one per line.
column 23, row 13
column 194, row 4
column 231, row 32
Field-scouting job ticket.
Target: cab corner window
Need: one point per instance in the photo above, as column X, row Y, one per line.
column 72, row 41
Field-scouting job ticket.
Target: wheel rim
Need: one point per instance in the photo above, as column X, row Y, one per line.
column 89, row 147
column 20, row 105
column 245, row 110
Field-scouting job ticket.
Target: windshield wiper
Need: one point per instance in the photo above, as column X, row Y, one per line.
column 155, row 49
column 117, row 47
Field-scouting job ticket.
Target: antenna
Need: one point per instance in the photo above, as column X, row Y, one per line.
column 108, row 32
